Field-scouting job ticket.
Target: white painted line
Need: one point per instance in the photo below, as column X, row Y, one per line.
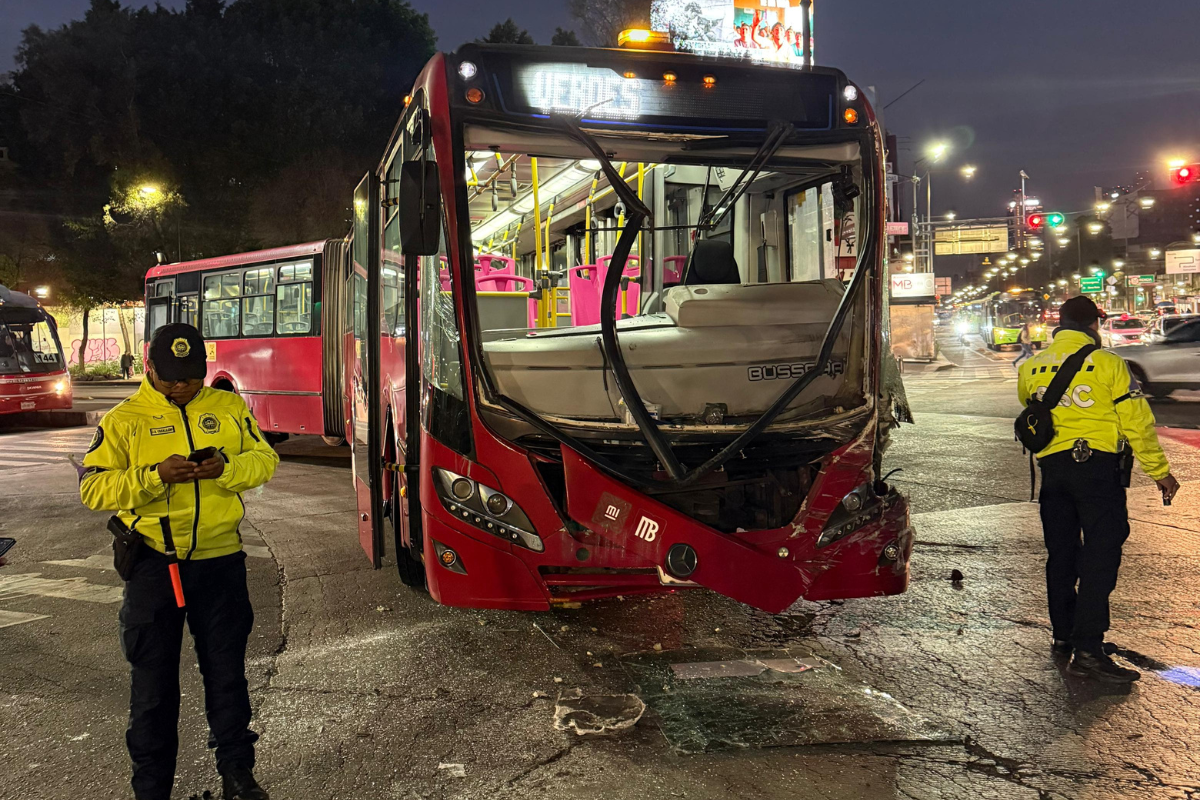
column 10, row 618
column 34, row 585
column 91, row 562
column 254, row 551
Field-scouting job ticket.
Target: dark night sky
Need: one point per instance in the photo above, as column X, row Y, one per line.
column 1075, row 92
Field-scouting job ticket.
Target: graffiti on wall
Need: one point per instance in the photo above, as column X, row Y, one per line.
column 97, row 350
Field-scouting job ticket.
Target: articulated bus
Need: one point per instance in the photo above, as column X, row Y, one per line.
column 614, row 329
column 33, row 370
column 263, row 315
column 1004, row 313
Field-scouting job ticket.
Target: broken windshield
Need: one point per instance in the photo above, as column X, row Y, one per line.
column 28, row 344
column 724, row 298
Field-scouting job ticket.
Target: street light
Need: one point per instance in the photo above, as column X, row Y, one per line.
column 1155, row 253
column 1146, row 202
column 937, row 151
column 1103, row 207
column 41, row 292
column 148, row 190
column 1196, row 238
column 950, row 215
column 1095, row 227
column 968, row 172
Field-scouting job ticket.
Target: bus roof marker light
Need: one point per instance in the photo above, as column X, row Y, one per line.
column 630, row 74
column 850, row 93
column 670, row 77
column 851, row 116
column 467, row 70
column 474, row 95
column 710, row 81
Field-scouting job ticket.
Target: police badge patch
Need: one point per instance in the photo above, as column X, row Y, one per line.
column 180, row 348
column 209, row 423
column 97, row 439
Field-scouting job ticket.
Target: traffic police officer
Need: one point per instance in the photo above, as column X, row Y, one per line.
column 138, row 466
column 1083, row 488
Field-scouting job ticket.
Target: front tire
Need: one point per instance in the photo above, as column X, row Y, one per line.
column 1158, row 392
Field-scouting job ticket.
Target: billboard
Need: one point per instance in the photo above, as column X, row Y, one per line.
column 1183, row 262
column 767, row 31
column 970, row 240
column 913, row 284
column 943, row 286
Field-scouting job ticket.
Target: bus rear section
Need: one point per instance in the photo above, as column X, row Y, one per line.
column 647, row 289
column 268, row 318
column 33, row 368
column 1005, row 313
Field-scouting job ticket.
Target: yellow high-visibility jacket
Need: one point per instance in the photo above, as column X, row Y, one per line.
column 120, row 469
column 1103, row 404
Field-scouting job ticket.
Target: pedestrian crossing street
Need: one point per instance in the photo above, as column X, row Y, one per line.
column 41, row 448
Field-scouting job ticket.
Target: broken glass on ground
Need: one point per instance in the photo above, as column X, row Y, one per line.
column 597, row 714
column 723, row 698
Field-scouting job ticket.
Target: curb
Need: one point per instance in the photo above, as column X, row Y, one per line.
column 52, row 419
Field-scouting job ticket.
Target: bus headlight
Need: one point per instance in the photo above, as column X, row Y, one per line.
column 857, row 509
column 485, row 508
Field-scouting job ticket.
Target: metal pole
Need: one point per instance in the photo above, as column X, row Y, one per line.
column 929, row 218
column 806, row 33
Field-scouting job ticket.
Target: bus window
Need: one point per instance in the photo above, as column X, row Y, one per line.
column 441, row 361
column 258, row 302
column 393, row 300
column 158, row 315
column 164, row 288
column 188, row 309
column 294, row 298
column 221, row 314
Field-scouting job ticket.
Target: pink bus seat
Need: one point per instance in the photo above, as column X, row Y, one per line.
column 628, row 306
column 673, row 270
column 496, row 265
column 503, row 283
column 584, row 284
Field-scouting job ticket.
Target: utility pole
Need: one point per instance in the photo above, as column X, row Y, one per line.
column 1021, row 214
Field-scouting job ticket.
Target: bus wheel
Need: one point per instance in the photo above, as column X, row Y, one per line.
column 275, row 439
column 334, row 441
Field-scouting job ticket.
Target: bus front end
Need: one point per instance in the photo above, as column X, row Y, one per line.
column 650, row 333
column 33, row 371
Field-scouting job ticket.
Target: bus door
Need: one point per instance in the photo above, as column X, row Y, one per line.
column 159, row 296
column 362, row 367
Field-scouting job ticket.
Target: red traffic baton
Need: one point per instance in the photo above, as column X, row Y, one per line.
column 173, row 564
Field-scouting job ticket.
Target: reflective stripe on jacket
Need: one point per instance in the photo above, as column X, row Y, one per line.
column 120, row 468
column 1103, row 404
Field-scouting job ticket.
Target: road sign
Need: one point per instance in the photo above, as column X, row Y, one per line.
column 1091, row 284
column 1139, row 280
column 1111, row 280
column 970, row 240
column 1183, row 262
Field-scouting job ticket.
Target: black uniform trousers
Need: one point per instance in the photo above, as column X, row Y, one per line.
column 1082, row 572
column 220, row 618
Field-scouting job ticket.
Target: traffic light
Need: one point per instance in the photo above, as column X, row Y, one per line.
column 1185, row 173
column 1053, row 220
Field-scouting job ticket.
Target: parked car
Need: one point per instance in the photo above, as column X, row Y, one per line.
column 1121, row 330
column 1157, row 330
column 1172, row 364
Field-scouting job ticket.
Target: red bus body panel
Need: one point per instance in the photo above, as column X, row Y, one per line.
column 33, row 392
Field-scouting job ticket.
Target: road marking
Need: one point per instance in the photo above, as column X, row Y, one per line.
column 91, row 562
column 34, row 585
column 10, row 618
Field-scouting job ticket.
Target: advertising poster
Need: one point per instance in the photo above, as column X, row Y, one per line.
column 767, row 31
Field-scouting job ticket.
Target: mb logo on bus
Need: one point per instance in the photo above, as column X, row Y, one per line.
column 647, row 529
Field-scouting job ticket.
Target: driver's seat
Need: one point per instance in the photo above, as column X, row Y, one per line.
column 711, row 262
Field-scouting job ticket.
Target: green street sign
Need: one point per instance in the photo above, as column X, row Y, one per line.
column 1094, row 283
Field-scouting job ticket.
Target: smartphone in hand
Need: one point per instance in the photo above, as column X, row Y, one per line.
column 6, row 544
column 199, row 456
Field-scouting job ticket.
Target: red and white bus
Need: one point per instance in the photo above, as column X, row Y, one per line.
column 33, row 370
column 263, row 315
column 647, row 289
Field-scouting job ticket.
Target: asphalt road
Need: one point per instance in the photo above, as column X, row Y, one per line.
column 363, row 688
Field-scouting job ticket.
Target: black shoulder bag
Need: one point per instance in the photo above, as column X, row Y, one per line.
column 1035, row 425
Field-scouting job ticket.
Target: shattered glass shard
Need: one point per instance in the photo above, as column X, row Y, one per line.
column 597, row 714
column 723, row 698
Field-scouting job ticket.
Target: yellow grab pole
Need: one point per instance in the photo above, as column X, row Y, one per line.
column 537, row 239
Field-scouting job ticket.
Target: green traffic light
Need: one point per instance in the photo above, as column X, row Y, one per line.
column 1055, row 220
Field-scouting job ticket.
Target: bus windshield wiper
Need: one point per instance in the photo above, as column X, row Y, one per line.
column 715, row 215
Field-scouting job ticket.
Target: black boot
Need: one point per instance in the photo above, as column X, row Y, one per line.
column 1061, row 647
column 1101, row 668
column 239, row 784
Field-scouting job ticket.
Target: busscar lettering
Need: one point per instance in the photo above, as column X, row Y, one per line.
column 783, row 372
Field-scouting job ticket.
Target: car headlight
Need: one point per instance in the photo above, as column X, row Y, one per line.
column 962, row 328
column 485, row 508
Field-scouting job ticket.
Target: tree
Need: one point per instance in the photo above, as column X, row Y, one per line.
column 602, row 20
column 563, row 38
column 223, row 103
column 507, row 32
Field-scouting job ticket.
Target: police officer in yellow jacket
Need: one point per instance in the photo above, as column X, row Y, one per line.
column 1083, row 488
column 138, row 465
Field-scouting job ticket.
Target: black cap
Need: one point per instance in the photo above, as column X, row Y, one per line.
column 177, row 351
column 1080, row 312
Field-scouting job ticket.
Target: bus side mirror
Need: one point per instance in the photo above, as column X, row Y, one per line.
column 419, row 211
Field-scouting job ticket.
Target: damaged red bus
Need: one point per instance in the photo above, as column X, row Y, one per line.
column 647, row 289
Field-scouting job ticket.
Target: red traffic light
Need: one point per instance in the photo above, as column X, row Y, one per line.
column 1036, row 221
column 1186, row 173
